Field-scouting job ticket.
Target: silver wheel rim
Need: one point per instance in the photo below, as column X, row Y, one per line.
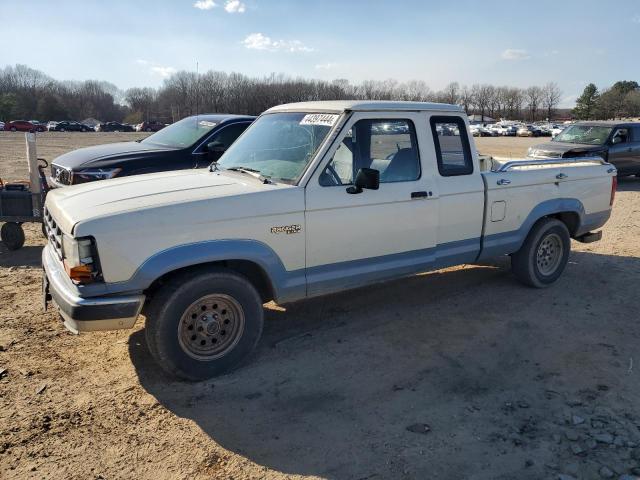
column 211, row 327
column 549, row 254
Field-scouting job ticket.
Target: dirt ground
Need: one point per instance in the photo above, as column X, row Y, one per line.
column 512, row 382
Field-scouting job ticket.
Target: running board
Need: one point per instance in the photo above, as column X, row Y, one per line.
column 590, row 237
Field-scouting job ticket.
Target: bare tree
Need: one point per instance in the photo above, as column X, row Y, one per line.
column 451, row 93
column 533, row 97
column 466, row 98
column 482, row 95
column 551, row 95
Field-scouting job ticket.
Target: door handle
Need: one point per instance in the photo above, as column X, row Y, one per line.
column 503, row 181
column 561, row 176
column 420, row 194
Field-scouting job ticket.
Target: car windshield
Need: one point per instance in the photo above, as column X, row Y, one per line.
column 181, row 134
column 279, row 145
column 586, row 134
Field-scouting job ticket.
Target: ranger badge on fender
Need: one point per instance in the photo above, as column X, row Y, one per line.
column 288, row 229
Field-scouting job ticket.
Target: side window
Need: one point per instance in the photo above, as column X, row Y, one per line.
column 389, row 146
column 636, row 134
column 452, row 146
column 229, row 134
column 622, row 134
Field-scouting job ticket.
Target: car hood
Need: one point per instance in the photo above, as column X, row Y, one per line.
column 81, row 203
column 93, row 156
column 561, row 148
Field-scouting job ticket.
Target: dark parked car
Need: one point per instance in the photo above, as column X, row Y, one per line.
column 616, row 142
column 114, row 127
column 67, row 126
column 193, row 142
column 24, row 126
column 150, row 127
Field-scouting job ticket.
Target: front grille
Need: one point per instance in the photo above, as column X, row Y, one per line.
column 60, row 174
column 54, row 234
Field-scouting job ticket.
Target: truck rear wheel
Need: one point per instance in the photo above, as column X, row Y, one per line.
column 12, row 235
column 203, row 326
column 544, row 254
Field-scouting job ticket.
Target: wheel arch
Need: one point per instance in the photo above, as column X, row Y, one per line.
column 251, row 270
column 254, row 259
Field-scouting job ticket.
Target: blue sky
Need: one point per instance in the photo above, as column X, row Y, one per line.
column 518, row 43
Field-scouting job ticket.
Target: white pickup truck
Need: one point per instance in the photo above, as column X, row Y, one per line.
column 313, row 198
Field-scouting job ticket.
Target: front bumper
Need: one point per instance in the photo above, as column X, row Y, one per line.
column 86, row 314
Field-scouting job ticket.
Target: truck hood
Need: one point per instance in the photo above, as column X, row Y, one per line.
column 559, row 149
column 72, row 205
column 92, row 156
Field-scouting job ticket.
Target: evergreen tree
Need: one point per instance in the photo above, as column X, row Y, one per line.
column 586, row 103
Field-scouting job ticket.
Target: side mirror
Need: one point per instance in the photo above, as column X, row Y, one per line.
column 368, row 178
column 615, row 140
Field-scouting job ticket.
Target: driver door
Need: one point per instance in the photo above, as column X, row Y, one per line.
column 621, row 151
column 357, row 239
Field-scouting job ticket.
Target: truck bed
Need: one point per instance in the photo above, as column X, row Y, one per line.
column 519, row 192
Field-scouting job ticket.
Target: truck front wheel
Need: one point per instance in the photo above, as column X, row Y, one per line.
column 544, row 254
column 202, row 326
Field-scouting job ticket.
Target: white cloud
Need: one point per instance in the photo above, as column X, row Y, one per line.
column 258, row 41
column 140, row 61
column 164, row 72
column 235, row 6
column 326, row 66
column 515, row 54
column 636, row 19
column 204, row 4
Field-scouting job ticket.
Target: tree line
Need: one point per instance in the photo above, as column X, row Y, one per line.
column 622, row 99
column 30, row 94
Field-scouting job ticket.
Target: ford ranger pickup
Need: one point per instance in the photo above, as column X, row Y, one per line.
column 313, row 198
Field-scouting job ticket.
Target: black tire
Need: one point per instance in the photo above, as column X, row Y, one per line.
column 531, row 264
column 14, row 129
column 171, row 305
column 12, row 235
column 148, row 129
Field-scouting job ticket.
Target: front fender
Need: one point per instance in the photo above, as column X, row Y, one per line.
column 286, row 285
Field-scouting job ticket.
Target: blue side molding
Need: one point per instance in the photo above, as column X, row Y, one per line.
column 324, row 279
column 287, row 285
column 295, row 285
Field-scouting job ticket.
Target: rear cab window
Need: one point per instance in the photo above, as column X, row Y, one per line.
column 451, row 142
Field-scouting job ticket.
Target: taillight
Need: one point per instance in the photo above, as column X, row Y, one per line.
column 614, row 186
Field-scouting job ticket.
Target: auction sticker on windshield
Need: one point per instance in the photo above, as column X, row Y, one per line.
column 205, row 123
column 326, row 119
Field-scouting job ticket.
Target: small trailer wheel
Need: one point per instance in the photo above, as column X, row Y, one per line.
column 12, row 235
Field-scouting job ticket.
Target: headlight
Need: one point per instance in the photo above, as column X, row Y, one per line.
column 80, row 259
column 91, row 174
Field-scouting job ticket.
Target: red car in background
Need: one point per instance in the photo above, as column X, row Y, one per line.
column 23, row 126
column 149, row 127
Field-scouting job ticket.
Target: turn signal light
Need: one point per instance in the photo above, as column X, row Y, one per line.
column 79, row 274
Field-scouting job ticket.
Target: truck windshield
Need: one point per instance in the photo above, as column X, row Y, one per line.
column 181, row 134
column 585, row 134
column 279, row 145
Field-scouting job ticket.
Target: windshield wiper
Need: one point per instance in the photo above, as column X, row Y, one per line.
column 251, row 171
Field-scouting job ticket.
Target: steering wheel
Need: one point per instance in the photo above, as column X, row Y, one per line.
column 333, row 175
